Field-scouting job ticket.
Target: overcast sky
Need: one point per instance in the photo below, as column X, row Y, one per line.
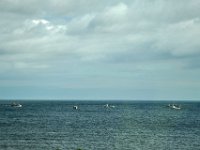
column 100, row 49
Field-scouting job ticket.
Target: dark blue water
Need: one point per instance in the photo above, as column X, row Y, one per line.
column 55, row 125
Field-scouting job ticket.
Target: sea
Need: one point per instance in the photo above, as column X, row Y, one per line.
column 120, row 125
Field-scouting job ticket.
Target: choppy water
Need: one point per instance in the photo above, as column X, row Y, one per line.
column 55, row 125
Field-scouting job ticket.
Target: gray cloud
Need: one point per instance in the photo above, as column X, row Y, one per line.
column 99, row 38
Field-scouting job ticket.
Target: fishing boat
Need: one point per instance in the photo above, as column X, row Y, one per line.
column 106, row 105
column 16, row 105
column 173, row 106
column 109, row 106
column 75, row 107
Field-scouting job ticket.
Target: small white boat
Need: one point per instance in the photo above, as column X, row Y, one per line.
column 112, row 106
column 173, row 106
column 109, row 106
column 106, row 105
column 16, row 105
column 75, row 107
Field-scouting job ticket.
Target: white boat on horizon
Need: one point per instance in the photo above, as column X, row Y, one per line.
column 75, row 107
column 106, row 105
column 173, row 106
column 16, row 105
column 109, row 106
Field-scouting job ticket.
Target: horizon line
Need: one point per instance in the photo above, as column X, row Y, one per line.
column 99, row 99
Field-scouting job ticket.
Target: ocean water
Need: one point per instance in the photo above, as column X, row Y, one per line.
column 130, row 125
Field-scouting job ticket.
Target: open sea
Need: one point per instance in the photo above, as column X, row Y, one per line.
column 128, row 125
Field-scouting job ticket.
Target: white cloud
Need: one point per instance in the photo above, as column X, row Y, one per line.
column 180, row 39
column 115, row 12
column 100, row 37
column 40, row 21
column 80, row 24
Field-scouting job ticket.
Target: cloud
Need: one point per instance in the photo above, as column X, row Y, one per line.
column 179, row 38
column 93, row 38
column 117, row 28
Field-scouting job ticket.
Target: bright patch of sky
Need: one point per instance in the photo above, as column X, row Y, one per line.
column 89, row 49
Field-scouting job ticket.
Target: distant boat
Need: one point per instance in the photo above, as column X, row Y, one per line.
column 112, row 106
column 16, row 105
column 109, row 106
column 75, row 107
column 106, row 105
column 173, row 106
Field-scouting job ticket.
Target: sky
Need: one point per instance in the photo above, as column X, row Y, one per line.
column 100, row 50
